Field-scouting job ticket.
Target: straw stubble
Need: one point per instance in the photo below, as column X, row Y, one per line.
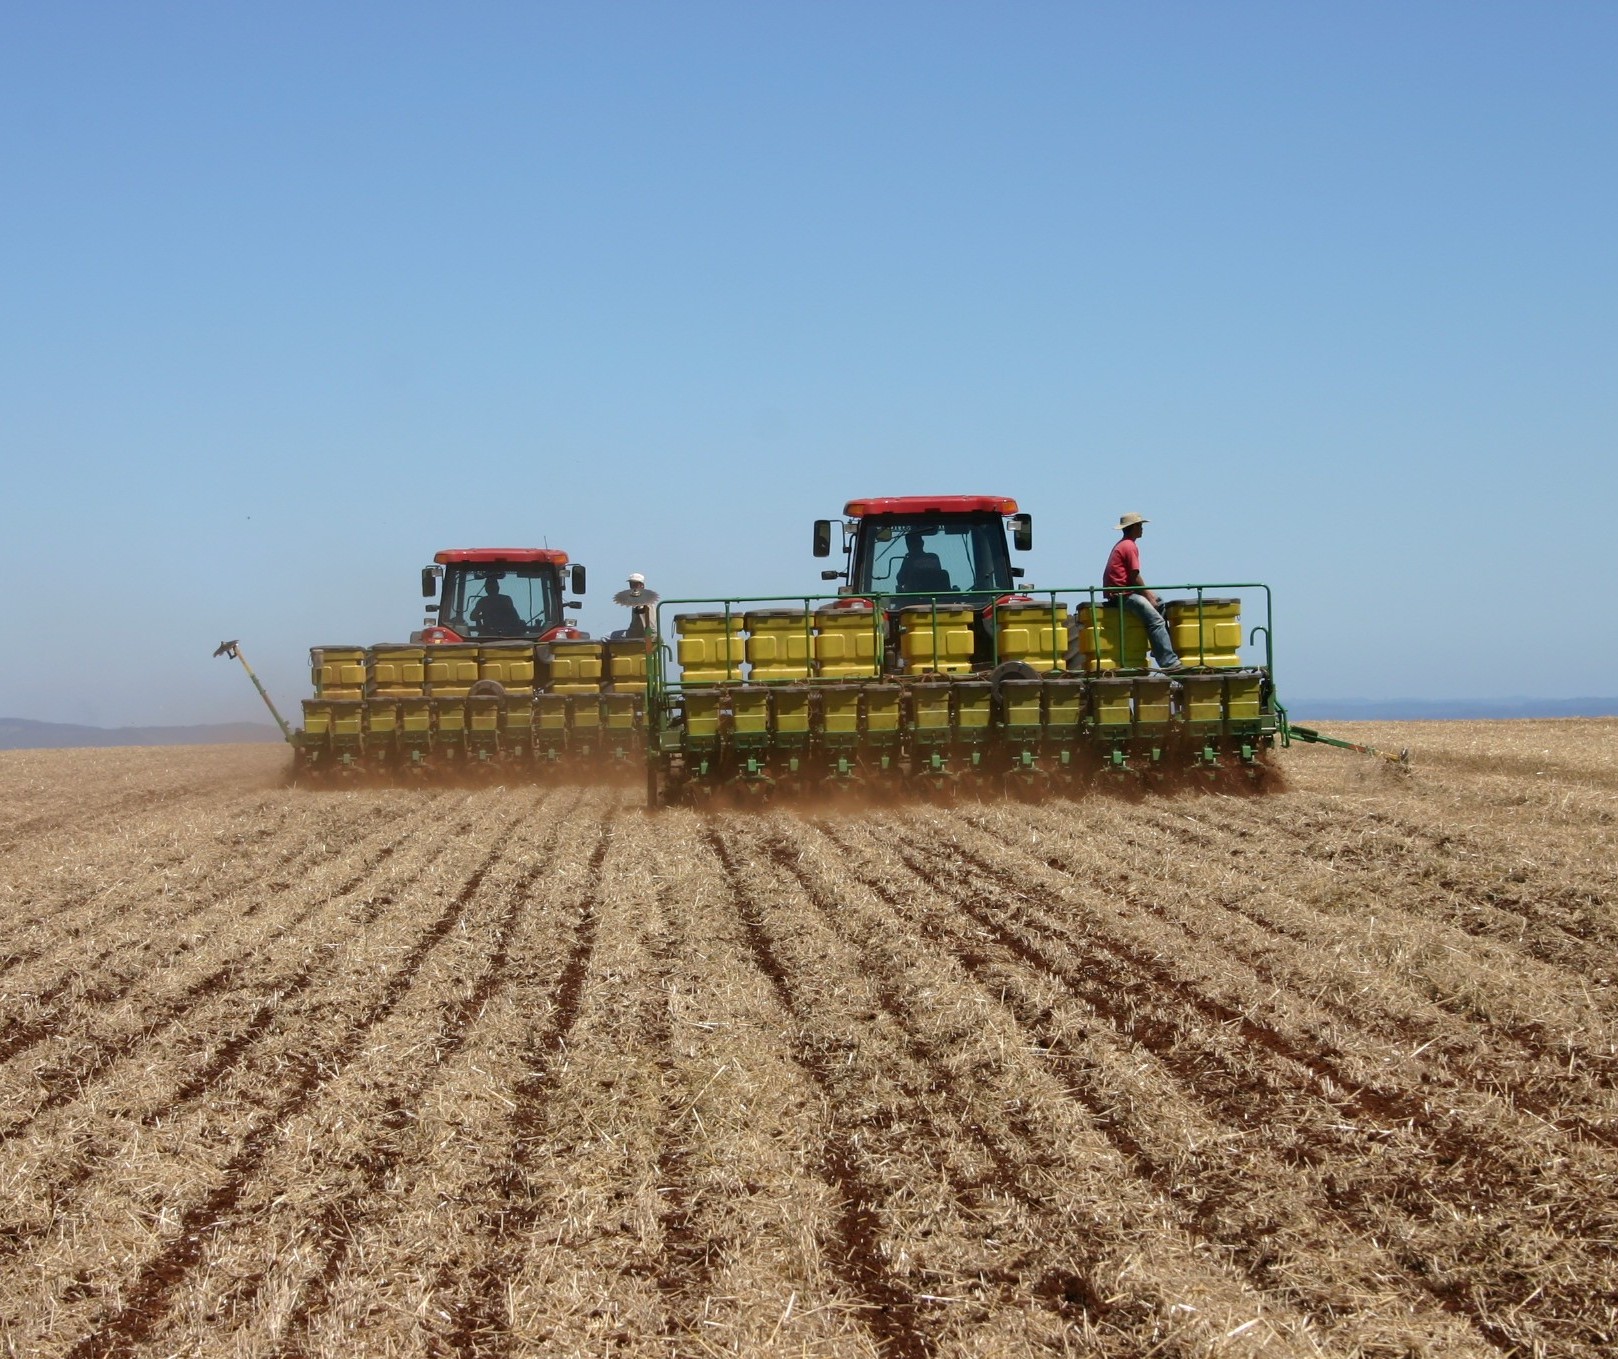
column 529, row 1071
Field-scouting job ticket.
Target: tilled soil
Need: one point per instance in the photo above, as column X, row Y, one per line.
column 513, row 1071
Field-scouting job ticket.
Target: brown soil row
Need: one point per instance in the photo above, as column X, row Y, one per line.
column 529, row 1071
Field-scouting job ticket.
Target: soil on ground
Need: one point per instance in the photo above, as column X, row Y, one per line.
column 527, row 1070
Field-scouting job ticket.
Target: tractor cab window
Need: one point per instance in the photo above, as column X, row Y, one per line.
column 960, row 555
column 513, row 600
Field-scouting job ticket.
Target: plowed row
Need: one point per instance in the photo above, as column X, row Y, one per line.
column 529, row 1071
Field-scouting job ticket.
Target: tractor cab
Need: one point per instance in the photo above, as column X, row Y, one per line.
column 499, row 592
column 933, row 549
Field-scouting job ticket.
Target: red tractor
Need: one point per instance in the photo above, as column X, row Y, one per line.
column 952, row 545
column 498, row 593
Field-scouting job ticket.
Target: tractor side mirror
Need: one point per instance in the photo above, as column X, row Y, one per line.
column 831, row 575
column 429, row 582
column 572, row 604
column 823, row 537
column 1022, row 531
column 577, row 575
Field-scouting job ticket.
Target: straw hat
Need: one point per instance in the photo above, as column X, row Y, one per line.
column 1127, row 520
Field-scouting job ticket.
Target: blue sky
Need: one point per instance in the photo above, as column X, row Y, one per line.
column 296, row 294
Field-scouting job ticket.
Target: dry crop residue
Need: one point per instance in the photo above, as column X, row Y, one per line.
column 520, row 1071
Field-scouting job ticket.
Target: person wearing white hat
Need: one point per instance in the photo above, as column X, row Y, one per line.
column 1124, row 586
column 639, row 601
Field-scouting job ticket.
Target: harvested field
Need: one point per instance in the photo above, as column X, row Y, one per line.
column 529, row 1071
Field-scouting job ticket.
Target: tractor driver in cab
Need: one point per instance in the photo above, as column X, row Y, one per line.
column 920, row 569
column 495, row 615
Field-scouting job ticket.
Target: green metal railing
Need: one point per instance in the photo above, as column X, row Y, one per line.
column 880, row 606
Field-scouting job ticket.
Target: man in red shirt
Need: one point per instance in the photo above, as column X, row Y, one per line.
column 1125, row 587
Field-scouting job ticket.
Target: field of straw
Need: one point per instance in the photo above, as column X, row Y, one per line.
column 522, row 1071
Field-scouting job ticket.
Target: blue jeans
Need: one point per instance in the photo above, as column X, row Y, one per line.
column 1157, row 631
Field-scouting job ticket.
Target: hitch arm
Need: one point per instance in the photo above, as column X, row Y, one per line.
column 233, row 650
column 1310, row 736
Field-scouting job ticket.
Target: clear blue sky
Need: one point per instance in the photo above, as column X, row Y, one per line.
column 296, row 294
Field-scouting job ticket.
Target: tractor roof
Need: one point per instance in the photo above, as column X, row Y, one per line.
column 930, row 504
column 457, row 556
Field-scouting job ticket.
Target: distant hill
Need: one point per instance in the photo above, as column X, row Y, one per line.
column 18, row 733
column 1427, row 709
